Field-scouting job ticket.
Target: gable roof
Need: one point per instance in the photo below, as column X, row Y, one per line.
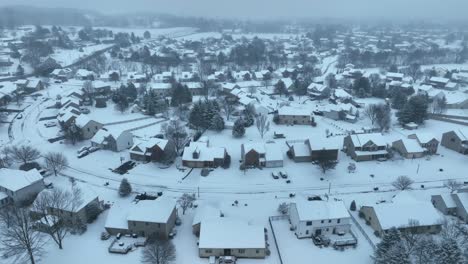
column 154, row 211
column 359, row 140
column 320, row 210
column 15, row 180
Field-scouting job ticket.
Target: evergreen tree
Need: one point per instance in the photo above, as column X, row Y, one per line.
column 19, row 70
column 280, row 88
column 389, row 239
column 217, row 123
column 125, row 188
column 238, row 130
column 415, row 110
column 147, row 35
column 449, row 252
column 399, row 100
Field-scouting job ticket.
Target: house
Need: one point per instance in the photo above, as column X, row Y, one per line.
column 110, row 76
column 426, row 141
column 203, row 213
column 78, row 211
column 365, row 147
column 439, row 82
column 455, row 204
column 404, row 213
column 231, row 237
column 61, row 74
column 228, row 87
column 408, row 148
column 343, row 112
column 319, row 218
column 88, row 127
column 136, row 78
column 153, row 149
column 341, row 94
column 288, row 83
column 82, row 74
column 19, row 187
column 161, row 89
column 261, row 155
column 111, row 139
column 201, row 155
column 195, row 88
column 318, row 90
column 294, row 116
column 456, row 140
column 145, row 218
column 311, row 150
column 101, row 88
column 394, row 76
column 34, row 86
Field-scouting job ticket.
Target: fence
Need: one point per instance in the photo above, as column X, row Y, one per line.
column 444, row 119
column 128, row 121
column 362, row 230
column 276, row 218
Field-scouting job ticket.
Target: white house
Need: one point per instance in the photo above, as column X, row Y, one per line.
column 313, row 218
column 231, row 237
column 114, row 140
column 17, row 186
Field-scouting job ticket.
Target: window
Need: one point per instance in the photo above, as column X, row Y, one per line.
column 88, row 129
column 329, row 221
column 208, row 251
column 241, row 251
column 322, row 221
column 308, row 223
column 257, row 251
column 338, row 221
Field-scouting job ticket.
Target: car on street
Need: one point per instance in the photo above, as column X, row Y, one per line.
column 93, row 149
column 82, row 154
column 50, row 124
column 82, row 149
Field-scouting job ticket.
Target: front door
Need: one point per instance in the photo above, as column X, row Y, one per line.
column 227, row 252
column 318, row 232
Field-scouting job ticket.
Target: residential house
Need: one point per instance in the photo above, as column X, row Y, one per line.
column 153, row 149
column 161, row 89
column 33, row 86
column 408, row 148
column 439, row 82
column 319, row 218
column 88, row 127
column 294, row 116
column 77, row 212
column 61, row 74
column 426, row 141
column 343, row 112
column 267, row 155
column 394, row 76
column 455, row 204
column 365, row 147
column 111, row 139
column 404, row 213
column 82, row 74
column 319, row 91
column 101, row 88
column 145, row 218
column 195, row 88
column 456, row 140
column 312, row 150
column 18, row 187
column 231, row 237
column 202, row 155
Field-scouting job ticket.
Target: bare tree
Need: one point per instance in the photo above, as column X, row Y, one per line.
column 252, row 89
column 403, row 183
column 326, row 164
column 185, row 201
column 88, row 89
column 453, row 185
column 159, row 252
column 52, row 205
column 175, row 132
column 5, row 159
column 56, row 162
column 228, row 108
column 24, row 154
column 371, row 112
column 263, row 125
column 19, row 237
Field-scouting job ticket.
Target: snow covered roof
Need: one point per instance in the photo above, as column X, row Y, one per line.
column 462, row 134
column 83, row 73
column 423, row 137
column 293, row 111
column 439, row 80
column 323, row 143
column 205, row 153
column 82, row 120
column 15, row 180
column 359, row 140
column 411, row 146
column 341, row 93
column 257, row 147
column 221, row 233
column 85, row 197
column 154, row 211
column 273, row 152
column 320, row 210
column 160, row 86
column 403, row 208
column 205, row 212
column 150, row 143
column 395, row 75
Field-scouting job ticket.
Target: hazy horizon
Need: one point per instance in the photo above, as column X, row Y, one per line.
column 267, row 9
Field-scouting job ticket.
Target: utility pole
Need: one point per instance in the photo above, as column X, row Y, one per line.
column 198, row 191
column 329, row 188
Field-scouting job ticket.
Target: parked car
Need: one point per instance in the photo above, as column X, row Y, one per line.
column 274, row 176
column 84, row 110
column 93, row 149
column 50, row 124
column 227, row 259
column 19, row 116
column 82, row 149
column 83, row 154
column 283, row 175
column 105, row 236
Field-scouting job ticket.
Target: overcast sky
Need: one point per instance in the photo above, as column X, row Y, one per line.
column 409, row 9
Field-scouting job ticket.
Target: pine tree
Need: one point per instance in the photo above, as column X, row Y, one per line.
column 217, row 123
column 449, row 253
column 353, row 206
column 399, row 100
column 238, row 130
column 125, row 188
column 389, row 239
